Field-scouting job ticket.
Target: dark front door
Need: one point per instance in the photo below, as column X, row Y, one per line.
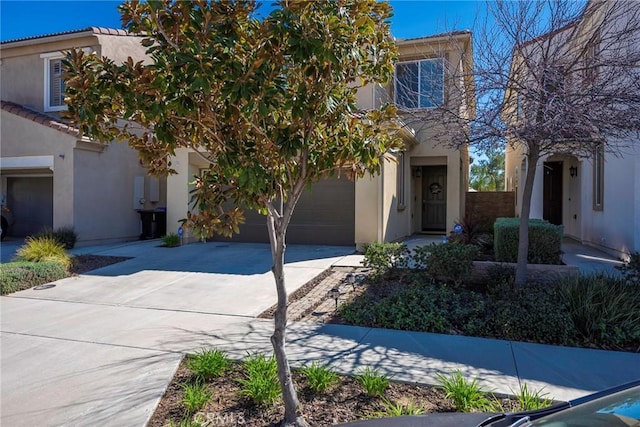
column 552, row 196
column 434, row 198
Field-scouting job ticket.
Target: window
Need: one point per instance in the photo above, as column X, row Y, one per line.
column 54, row 86
column 420, row 84
column 400, row 190
column 598, row 178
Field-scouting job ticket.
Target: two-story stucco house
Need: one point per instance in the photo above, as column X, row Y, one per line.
column 421, row 190
column 597, row 197
column 50, row 176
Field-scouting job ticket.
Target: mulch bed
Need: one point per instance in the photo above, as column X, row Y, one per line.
column 84, row 263
column 343, row 402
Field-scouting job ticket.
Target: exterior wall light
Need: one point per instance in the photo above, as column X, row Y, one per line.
column 573, row 171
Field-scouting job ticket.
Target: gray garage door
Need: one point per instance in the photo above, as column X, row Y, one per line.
column 31, row 203
column 325, row 215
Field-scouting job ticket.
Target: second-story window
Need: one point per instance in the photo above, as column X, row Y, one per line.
column 54, row 86
column 420, row 84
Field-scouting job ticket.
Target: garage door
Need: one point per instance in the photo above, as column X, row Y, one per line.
column 31, row 203
column 325, row 215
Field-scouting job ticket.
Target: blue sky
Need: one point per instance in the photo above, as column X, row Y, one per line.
column 26, row 18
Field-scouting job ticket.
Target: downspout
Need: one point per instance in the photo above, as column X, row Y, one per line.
column 381, row 204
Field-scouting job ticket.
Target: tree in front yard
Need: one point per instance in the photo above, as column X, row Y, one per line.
column 554, row 77
column 269, row 104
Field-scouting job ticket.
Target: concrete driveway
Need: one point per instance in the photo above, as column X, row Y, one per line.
column 98, row 349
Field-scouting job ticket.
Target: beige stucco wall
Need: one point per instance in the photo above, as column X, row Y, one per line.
column 368, row 212
column 93, row 184
column 20, row 137
column 22, row 69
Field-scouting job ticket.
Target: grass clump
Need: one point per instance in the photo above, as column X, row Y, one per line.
column 261, row 383
column 171, row 240
column 397, row 409
column 529, row 400
column 195, row 397
column 18, row 276
column 373, row 382
column 43, row 249
column 604, row 310
column 208, row 364
column 319, row 377
column 467, row 396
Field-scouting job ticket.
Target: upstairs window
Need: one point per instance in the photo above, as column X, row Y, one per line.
column 420, row 84
column 54, row 86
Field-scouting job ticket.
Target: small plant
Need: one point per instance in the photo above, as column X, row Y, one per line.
column 471, row 231
column 385, row 259
column 208, row 364
column 195, row 397
column 171, row 240
column 466, row 395
column 261, row 380
column 374, row 383
column 529, row 400
column 319, row 378
column 41, row 249
column 397, row 409
column 631, row 269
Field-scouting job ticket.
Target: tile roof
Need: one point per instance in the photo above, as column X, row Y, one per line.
column 38, row 117
column 93, row 30
column 435, row 36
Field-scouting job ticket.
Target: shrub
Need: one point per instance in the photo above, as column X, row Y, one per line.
column 605, row 310
column 261, row 380
column 500, row 278
column 631, row 269
column 17, row 276
column 373, row 382
column 195, row 397
column 451, row 262
column 319, row 378
column 466, row 395
column 531, row 313
column 385, row 259
column 66, row 236
column 208, row 364
column 171, row 240
column 39, row 249
column 545, row 241
column 530, row 400
column 430, row 308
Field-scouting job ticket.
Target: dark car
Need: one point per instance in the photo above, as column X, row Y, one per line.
column 615, row 407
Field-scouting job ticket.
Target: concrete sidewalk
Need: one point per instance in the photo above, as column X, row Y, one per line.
column 99, row 349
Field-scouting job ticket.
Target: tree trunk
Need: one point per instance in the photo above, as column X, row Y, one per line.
column 523, row 232
column 291, row 404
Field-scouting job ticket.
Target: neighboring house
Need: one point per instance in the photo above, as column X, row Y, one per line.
column 50, row 177
column 595, row 198
column 421, row 190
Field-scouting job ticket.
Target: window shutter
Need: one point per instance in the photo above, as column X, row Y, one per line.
column 56, row 84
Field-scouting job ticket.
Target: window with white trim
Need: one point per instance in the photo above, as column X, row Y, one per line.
column 420, row 84
column 54, row 86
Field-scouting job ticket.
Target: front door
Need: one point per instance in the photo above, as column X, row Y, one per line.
column 552, row 193
column 434, row 198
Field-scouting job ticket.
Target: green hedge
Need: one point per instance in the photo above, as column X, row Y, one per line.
column 17, row 276
column 545, row 241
